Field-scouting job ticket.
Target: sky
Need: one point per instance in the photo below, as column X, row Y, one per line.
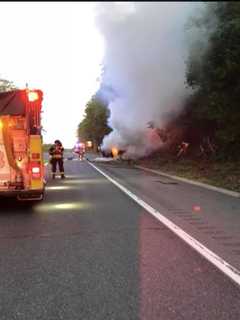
column 55, row 47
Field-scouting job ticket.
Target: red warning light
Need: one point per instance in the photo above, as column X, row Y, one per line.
column 32, row 96
column 196, row 208
column 35, row 168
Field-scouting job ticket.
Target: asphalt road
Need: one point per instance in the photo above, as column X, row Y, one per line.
column 88, row 251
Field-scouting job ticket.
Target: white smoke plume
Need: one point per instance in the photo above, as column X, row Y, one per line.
column 144, row 64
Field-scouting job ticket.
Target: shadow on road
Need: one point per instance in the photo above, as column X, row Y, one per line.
column 12, row 206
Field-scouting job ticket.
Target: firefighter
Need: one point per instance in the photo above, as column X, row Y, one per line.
column 80, row 150
column 56, row 153
column 81, row 153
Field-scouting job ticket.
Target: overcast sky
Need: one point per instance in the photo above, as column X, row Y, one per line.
column 55, row 47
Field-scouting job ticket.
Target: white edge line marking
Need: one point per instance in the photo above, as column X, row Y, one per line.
column 221, row 264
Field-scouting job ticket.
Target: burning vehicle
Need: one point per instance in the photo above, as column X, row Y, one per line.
column 112, row 152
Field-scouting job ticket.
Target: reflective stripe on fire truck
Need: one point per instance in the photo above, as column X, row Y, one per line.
column 36, row 167
column 4, row 166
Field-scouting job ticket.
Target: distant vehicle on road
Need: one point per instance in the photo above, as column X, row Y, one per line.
column 80, row 150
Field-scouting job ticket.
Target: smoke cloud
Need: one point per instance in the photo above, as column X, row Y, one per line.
column 144, row 65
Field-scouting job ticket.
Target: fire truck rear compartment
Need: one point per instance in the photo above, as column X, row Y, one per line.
column 13, row 154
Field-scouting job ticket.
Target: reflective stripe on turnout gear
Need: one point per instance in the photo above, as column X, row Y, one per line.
column 57, row 156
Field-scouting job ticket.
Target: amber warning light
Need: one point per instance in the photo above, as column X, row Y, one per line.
column 32, row 96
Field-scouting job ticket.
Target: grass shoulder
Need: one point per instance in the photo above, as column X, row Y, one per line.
column 220, row 174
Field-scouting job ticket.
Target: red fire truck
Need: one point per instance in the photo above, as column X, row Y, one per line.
column 21, row 155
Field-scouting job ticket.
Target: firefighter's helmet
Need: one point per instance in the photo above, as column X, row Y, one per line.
column 58, row 142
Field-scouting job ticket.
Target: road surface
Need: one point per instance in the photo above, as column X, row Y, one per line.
column 88, row 251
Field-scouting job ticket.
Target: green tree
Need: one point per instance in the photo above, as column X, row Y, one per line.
column 94, row 126
column 46, row 147
column 214, row 75
column 6, row 85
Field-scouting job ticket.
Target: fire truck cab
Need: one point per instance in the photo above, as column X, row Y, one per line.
column 21, row 155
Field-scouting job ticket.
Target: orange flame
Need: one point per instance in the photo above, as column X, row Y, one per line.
column 115, row 152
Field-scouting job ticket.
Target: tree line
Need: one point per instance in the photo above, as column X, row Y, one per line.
column 94, row 125
column 6, row 85
column 213, row 75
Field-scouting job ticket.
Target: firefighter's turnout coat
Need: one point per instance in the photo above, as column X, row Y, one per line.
column 56, row 154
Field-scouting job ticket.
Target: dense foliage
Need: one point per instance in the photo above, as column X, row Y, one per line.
column 213, row 74
column 94, row 126
column 6, row 85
